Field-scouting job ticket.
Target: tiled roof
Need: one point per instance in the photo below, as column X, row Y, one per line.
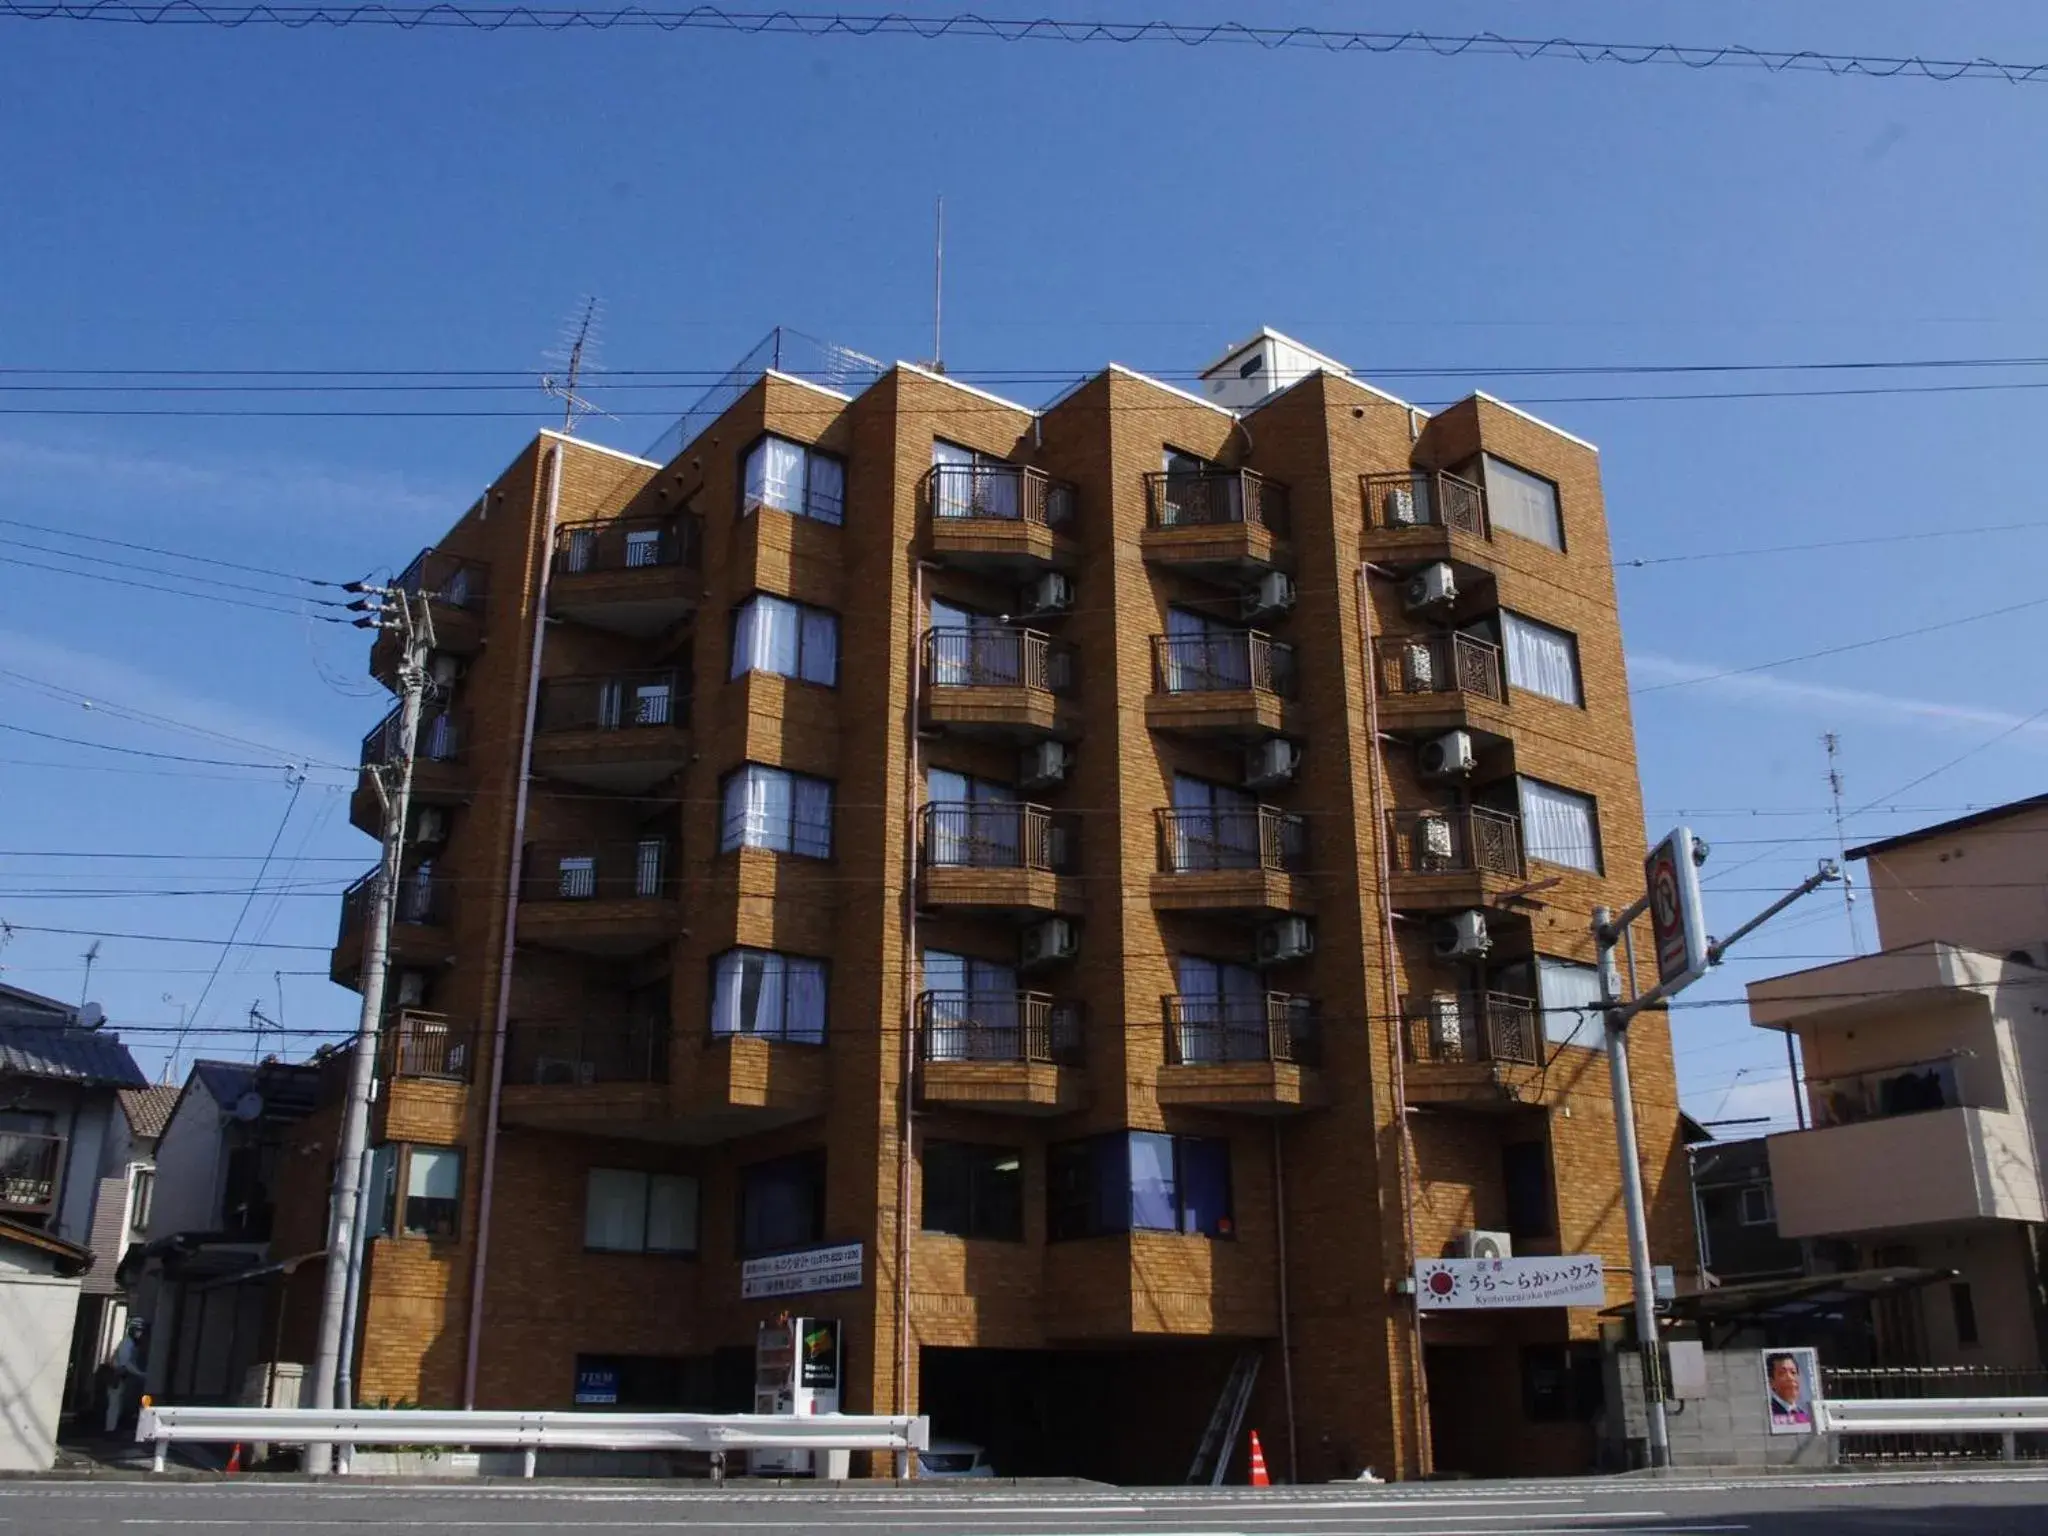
column 149, row 1109
column 66, row 1053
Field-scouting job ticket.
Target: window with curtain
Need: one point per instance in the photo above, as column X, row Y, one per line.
column 433, row 1192
column 773, row 634
column 1520, row 503
column 782, row 1203
column 973, row 1191
column 1569, row 995
column 971, row 820
column 1541, row 659
column 1138, row 1180
column 1214, row 826
column 1559, row 826
column 763, row 992
column 629, row 1211
column 1205, row 653
column 1222, row 1011
column 792, row 478
column 774, row 809
column 967, row 483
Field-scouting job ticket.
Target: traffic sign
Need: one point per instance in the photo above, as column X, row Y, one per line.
column 1677, row 918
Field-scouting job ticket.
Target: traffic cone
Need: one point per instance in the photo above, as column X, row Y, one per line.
column 235, row 1459
column 1259, row 1478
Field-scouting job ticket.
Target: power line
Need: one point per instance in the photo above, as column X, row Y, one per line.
column 158, row 570
column 145, row 717
column 1828, row 544
column 167, row 757
column 172, row 554
column 158, row 938
column 157, row 587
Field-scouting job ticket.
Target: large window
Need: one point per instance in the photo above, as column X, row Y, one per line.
column 781, row 811
column 628, row 1211
column 1139, row 1180
column 792, row 478
column 760, row 992
column 431, row 1178
column 782, row 1203
column 1569, row 995
column 1559, row 826
column 772, row 634
column 1521, row 503
column 1541, row 659
column 974, row 1191
column 972, row 484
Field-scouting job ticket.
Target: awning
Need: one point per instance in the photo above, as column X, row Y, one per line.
column 1783, row 1300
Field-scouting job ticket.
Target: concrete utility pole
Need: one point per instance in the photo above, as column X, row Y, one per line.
column 410, row 617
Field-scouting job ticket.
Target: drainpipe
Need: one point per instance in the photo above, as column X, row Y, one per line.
column 481, row 1263
column 911, row 789
column 1286, row 1342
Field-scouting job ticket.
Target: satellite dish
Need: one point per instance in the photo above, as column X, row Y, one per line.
column 92, row 1016
column 249, row 1106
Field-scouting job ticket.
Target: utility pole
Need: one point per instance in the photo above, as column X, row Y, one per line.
column 410, row 617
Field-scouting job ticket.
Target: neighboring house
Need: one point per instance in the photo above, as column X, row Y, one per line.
column 120, row 1219
column 39, row 1276
column 1927, row 1077
column 1738, row 1215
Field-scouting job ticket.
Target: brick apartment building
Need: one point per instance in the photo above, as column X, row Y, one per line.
column 915, row 820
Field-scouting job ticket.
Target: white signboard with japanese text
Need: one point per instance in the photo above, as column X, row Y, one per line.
column 1485, row 1285
column 835, row 1267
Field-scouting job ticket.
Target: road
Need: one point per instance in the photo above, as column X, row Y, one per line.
column 1991, row 1504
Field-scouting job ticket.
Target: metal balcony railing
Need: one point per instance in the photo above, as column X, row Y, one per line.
column 1455, row 663
column 1464, row 1028
column 1424, row 499
column 646, row 544
column 431, row 1045
column 619, row 1049
column 998, row 493
column 421, row 899
column 997, row 657
column 1205, row 1029
column 629, row 871
column 443, row 738
column 624, row 701
column 958, row 834
column 28, row 1170
column 1222, row 662
column 1455, row 841
column 998, row 1026
column 1882, row 1093
column 447, row 579
column 1212, row 497
column 1250, row 837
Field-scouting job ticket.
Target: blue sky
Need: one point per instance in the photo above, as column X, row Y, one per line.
column 367, row 199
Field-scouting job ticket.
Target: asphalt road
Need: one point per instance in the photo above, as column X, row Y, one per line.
column 1991, row 1504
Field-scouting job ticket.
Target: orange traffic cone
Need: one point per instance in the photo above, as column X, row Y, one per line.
column 235, row 1459
column 1259, row 1478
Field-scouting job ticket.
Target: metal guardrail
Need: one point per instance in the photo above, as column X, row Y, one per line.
column 2006, row 1417
column 1006, row 493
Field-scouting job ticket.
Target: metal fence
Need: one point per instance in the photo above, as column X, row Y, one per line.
column 624, row 871
column 784, row 351
column 959, row 834
column 443, row 737
column 1455, row 663
column 998, row 1026
column 1207, row 1030
column 1424, row 499
column 604, row 1049
column 624, row 701
column 1928, row 1384
column 430, row 1045
column 634, row 545
column 1174, row 499
column 1223, row 661
column 1211, row 839
column 988, row 656
column 1008, row 493
column 420, row 899
column 447, row 579
column 28, row 1169
column 1455, row 841
column 1463, row 1028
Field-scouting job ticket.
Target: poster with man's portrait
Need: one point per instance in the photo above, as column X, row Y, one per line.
column 1790, row 1379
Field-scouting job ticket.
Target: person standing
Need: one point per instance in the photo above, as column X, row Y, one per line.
column 129, row 1372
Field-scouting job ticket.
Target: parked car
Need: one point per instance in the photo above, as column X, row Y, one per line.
column 954, row 1458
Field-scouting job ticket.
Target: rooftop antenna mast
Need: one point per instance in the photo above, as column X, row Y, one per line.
column 577, row 357
column 92, row 953
column 939, row 285
column 1834, row 745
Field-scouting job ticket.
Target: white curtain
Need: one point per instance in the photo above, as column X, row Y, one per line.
column 954, row 482
column 1521, row 503
column 756, row 805
column 820, row 648
column 775, row 476
column 826, row 500
column 738, row 1001
column 1559, row 826
column 1541, row 659
column 765, row 636
column 758, row 992
column 1569, row 994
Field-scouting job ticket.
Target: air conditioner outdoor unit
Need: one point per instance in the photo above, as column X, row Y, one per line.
column 1418, row 667
column 1044, row 765
column 563, row 1071
column 1431, row 585
column 430, row 826
column 1048, row 942
column 444, row 669
column 1436, row 847
column 1271, row 763
column 1403, row 507
column 1287, row 940
column 1051, row 593
column 1463, row 937
column 1446, row 1027
column 1273, row 594
column 1482, row 1245
column 1449, row 756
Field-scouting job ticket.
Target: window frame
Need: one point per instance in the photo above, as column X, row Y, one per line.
column 141, row 1196
column 782, row 1035
column 1508, row 619
column 812, row 1162
column 805, row 614
column 1486, row 462
column 725, row 828
column 977, row 1161
column 647, row 1178
column 805, row 507
column 1592, row 802
column 1743, row 1217
column 401, row 1185
column 1097, row 1157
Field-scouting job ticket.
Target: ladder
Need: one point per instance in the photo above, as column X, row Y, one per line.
column 1212, row 1456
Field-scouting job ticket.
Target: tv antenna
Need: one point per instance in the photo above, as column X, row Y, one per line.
column 1834, row 745
column 91, row 954
column 576, row 356
column 938, row 284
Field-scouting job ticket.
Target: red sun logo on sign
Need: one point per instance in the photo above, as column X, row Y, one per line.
column 1440, row 1282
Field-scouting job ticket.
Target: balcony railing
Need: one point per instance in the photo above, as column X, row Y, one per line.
column 1223, row 662
column 28, row 1170
column 625, row 701
column 1248, row 837
column 1206, row 1030
column 418, row 1044
column 997, row 658
column 638, row 545
column 1425, row 499
column 999, row 493
column 421, row 898
column 443, row 738
column 1212, row 497
column 447, row 579
column 634, row 871
column 1454, row 842
column 1466, row 1028
column 959, row 834
column 1881, row 1093
column 621, row 1049
column 1455, row 663
column 998, row 1026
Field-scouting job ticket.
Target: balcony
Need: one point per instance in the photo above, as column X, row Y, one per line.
column 456, row 590
column 1452, row 858
column 1004, row 683
column 1001, row 519
column 428, row 1046
column 624, row 733
column 638, row 578
column 1003, row 1052
column 602, row 1075
column 1014, row 859
column 1424, row 515
column 1234, row 684
column 1442, row 682
column 1470, row 1049
column 1232, row 860
column 440, row 765
column 29, row 1168
column 1241, row 1053
column 421, row 923
column 1220, row 523
column 598, row 898
column 1931, row 1168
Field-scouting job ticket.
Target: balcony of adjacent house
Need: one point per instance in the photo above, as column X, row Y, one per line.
column 31, row 1167
column 621, row 732
column 1422, row 515
column 1004, row 520
column 1003, row 682
column 603, row 1074
column 1002, row 858
column 1014, row 1053
column 1249, row 859
column 599, row 897
column 638, row 577
column 1232, row 684
column 1442, row 681
column 1453, row 857
column 1468, row 1047
column 422, row 935
column 1215, row 522
column 457, row 590
column 1256, row 1054
column 441, row 767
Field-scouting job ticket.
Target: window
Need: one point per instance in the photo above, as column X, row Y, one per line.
column 772, row 634
column 781, row 811
column 1520, row 503
column 760, row 992
column 972, row 1008
column 1559, row 826
column 141, row 1190
column 1561, row 1383
column 974, row 1191
column 1758, row 1209
column 1139, row 1180
column 1541, row 659
column 1525, row 1178
column 1569, row 995
column 971, row 821
column 383, row 1191
column 782, row 1203
column 971, row 484
column 792, row 478
column 1222, row 1011
column 627, row 1211
column 1202, row 653
column 433, row 1192
column 1964, row 1306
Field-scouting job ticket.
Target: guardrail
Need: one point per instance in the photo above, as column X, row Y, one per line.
column 533, row 1432
column 2006, row 1416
